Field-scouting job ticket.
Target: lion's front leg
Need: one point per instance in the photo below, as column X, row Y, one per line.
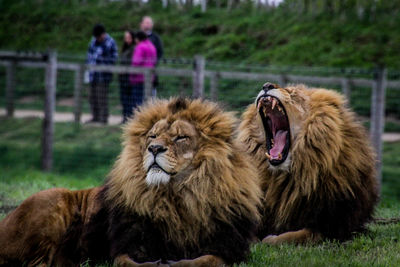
column 298, row 237
column 125, row 261
column 203, row 261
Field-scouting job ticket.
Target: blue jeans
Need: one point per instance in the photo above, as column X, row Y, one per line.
column 131, row 97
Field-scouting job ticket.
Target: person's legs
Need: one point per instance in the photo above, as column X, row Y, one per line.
column 155, row 85
column 138, row 94
column 130, row 102
column 123, row 99
column 103, row 102
column 93, row 101
column 125, row 96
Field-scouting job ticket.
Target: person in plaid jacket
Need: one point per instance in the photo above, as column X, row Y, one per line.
column 102, row 51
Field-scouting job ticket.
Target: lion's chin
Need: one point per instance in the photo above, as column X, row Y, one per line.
column 156, row 176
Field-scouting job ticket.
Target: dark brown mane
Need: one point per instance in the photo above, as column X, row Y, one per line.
column 178, row 104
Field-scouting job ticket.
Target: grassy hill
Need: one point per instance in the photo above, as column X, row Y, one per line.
column 278, row 36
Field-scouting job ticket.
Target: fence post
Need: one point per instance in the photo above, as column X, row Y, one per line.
column 10, row 88
column 203, row 5
column 148, row 84
column 346, row 89
column 282, row 80
column 49, row 107
column 198, row 76
column 78, row 93
column 378, row 116
column 214, row 86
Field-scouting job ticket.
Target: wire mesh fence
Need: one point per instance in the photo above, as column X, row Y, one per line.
column 82, row 146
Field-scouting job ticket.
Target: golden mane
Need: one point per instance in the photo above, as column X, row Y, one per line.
column 222, row 183
column 331, row 161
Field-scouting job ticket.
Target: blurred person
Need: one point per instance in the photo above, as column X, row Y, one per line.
column 144, row 55
column 102, row 51
column 147, row 25
column 126, row 95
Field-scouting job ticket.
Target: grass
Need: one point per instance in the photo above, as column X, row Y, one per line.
column 373, row 249
column 281, row 36
column 84, row 156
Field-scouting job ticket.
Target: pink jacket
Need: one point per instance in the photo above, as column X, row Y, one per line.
column 144, row 55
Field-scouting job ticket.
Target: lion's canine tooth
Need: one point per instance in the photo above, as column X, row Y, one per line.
column 279, row 156
column 269, row 98
column 265, row 111
column 267, row 155
column 273, row 103
column 272, row 142
column 259, row 104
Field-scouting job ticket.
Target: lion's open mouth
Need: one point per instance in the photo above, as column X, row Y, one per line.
column 276, row 127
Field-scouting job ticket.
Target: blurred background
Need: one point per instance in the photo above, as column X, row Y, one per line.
column 222, row 50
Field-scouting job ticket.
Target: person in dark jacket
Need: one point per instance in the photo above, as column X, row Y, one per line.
column 102, row 51
column 146, row 26
column 126, row 95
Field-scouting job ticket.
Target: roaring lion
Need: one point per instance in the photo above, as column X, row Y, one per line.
column 316, row 164
column 180, row 194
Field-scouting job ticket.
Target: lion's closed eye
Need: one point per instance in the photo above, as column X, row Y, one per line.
column 181, row 138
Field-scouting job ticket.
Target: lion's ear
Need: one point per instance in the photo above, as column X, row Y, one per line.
column 290, row 90
column 178, row 104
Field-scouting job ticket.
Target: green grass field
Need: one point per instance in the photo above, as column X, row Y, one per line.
column 84, row 156
column 282, row 36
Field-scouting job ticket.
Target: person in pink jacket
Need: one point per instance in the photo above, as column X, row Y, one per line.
column 144, row 55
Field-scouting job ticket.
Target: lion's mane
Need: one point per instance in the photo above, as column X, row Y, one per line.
column 220, row 195
column 330, row 185
column 212, row 210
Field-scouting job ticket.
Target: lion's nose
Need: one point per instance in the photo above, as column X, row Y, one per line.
column 268, row 86
column 155, row 149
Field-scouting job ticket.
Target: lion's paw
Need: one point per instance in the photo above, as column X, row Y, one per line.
column 270, row 239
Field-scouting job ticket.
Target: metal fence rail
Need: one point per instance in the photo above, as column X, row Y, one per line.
column 190, row 76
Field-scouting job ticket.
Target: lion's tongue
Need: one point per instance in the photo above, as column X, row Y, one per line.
column 279, row 144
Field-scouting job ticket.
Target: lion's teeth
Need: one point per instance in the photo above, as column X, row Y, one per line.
column 273, row 103
column 272, row 142
column 259, row 104
column 267, row 155
column 279, row 156
column 269, row 98
column 265, row 111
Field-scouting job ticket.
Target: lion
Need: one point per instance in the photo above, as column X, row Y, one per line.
column 46, row 229
column 315, row 162
column 181, row 193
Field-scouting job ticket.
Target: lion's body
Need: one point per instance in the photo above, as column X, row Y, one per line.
column 328, row 183
column 181, row 189
column 48, row 227
column 212, row 210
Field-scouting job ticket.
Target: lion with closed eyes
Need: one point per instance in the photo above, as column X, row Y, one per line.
column 190, row 197
column 180, row 194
